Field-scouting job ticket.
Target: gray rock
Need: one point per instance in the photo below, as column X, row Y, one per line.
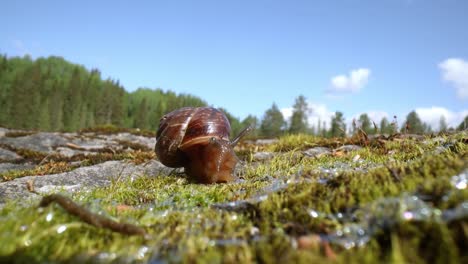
column 3, row 131
column 67, row 152
column 94, row 143
column 42, row 142
column 317, row 152
column 6, row 155
column 46, row 189
column 85, row 177
column 145, row 141
column 348, row 148
column 6, row 167
column 259, row 156
column 71, row 144
column 262, row 141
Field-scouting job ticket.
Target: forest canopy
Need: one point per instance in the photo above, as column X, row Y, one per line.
column 52, row 94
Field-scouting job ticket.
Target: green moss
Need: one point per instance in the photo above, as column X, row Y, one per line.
column 15, row 134
column 259, row 218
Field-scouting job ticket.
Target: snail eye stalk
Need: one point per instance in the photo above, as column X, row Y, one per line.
column 242, row 134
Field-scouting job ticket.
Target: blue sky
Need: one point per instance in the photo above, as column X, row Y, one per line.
column 382, row 57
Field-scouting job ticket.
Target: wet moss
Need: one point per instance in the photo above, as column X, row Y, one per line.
column 51, row 167
column 14, row 134
column 261, row 217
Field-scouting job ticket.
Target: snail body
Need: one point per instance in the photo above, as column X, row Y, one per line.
column 197, row 138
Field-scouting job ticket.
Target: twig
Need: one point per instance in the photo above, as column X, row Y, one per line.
column 394, row 173
column 44, row 160
column 93, row 219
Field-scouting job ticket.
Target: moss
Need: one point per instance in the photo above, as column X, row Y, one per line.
column 259, row 217
column 14, row 134
column 51, row 167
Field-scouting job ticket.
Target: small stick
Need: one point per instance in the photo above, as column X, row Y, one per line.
column 93, row 219
column 394, row 173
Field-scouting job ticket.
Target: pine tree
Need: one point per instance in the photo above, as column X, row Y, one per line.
column 442, row 124
column 385, row 126
column 337, row 125
column 299, row 116
column 413, row 124
column 272, row 123
column 141, row 115
column 251, row 121
column 365, row 124
column 56, row 107
column 463, row 125
column 73, row 101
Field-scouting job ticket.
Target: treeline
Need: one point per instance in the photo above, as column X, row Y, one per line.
column 273, row 123
column 51, row 94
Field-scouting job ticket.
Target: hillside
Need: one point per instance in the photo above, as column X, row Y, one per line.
column 52, row 94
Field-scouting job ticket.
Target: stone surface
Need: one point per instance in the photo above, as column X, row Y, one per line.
column 42, row 142
column 3, row 131
column 348, row 148
column 6, row 155
column 267, row 141
column 264, row 155
column 85, row 177
column 145, row 141
column 70, row 144
column 5, row 167
column 317, row 152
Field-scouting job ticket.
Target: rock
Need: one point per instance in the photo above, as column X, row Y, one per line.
column 6, row 167
column 41, row 142
column 317, row 152
column 348, row 148
column 67, row 152
column 6, row 155
column 99, row 175
column 3, row 131
column 71, row 144
column 145, row 141
column 259, row 156
column 262, row 141
column 46, row 189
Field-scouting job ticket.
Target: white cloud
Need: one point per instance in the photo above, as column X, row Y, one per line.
column 455, row 71
column 352, row 83
column 19, row 47
column 431, row 115
column 287, row 112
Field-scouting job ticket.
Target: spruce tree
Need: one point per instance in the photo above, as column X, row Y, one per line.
column 337, row 125
column 299, row 116
column 272, row 123
column 442, row 124
column 365, row 124
column 385, row 126
column 413, row 124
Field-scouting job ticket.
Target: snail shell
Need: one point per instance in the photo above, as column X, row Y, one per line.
column 198, row 140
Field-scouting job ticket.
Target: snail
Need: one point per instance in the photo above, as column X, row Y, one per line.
column 197, row 138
